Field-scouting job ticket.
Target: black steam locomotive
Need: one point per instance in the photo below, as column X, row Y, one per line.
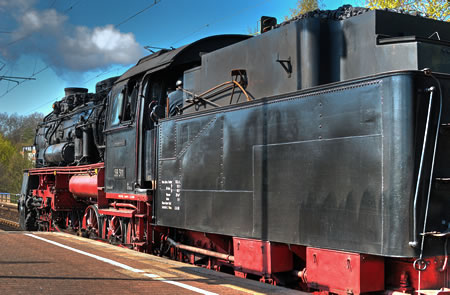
column 319, row 144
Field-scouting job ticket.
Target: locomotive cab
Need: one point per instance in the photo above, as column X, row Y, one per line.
column 139, row 99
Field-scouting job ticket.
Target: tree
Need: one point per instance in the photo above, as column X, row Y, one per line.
column 304, row 6
column 19, row 130
column 437, row 9
column 15, row 132
column 12, row 164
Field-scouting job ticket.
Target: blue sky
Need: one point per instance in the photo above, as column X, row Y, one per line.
column 76, row 43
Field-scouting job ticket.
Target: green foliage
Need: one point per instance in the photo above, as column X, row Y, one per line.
column 12, row 164
column 15, row 132
column 304, row 6
column 437, row 9
column 19, row 130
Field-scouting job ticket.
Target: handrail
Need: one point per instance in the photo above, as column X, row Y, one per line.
column 414, row 243
column 420, row 264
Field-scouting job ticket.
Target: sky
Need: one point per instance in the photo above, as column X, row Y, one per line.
column 76, row 43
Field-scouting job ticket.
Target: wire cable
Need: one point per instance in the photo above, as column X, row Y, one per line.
column 31, row 33
column 137, row 13
column 26, row 36
column 219, row 20
column 116, row 26
column 44, row 104
column 23, row 81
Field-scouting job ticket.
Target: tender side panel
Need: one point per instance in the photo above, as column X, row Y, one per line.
column 305, row 170
column 320, row 188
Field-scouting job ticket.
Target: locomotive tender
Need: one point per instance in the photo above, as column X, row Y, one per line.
column 312, row 155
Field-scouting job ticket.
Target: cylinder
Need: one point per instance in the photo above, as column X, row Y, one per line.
column 59, row 153
column 84, row 186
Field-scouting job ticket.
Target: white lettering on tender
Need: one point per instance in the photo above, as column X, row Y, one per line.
column 172, row 191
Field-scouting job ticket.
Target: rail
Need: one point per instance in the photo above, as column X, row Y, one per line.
column 9, row 223
column 9, row 198
column 8, row 211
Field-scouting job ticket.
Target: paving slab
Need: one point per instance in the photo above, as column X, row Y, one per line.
column 59, row 263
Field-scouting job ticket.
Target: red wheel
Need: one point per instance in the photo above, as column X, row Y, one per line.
column 105, row 229
column 114, row 229
column 135, row 235
column 129, row 233
column 91, row 221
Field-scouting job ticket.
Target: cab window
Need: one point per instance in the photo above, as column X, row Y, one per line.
column 116, row 104
column 130, row 101
column 123, row 100
column 155, row 92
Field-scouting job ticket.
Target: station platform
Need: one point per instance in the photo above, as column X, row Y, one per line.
column 59, row 263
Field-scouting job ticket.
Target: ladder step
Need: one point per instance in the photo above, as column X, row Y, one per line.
column 445, row 128
column 442, row 183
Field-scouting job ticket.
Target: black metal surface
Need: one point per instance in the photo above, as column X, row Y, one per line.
column 332, row 169
column 186, row 54
column 332, row 166
column 150, row 155
column 61, row 153
column 73, row 133
column 323, row 50
column 120, row 160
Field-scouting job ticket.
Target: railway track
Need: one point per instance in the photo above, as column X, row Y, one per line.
column 9, row 217
column 8, row 225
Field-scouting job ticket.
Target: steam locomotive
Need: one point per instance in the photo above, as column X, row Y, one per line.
column 313, row 155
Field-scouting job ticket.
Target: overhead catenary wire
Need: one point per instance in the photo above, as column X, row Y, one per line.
column 71, row 6
column 190, row 34
column 31, row 33
column 116, row 26
column 24, row 37
column 143, row 10
column 41, row 105
column 98, row 75
column 23, row 81
column 218, row 21
column 55, row 99
column 137, row 13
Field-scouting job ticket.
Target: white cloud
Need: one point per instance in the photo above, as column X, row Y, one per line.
column 94, row 48
column 46, row 23
column 16, row 4
column 48, row 35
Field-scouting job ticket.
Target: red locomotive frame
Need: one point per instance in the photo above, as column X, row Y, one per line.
column 125, row 219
